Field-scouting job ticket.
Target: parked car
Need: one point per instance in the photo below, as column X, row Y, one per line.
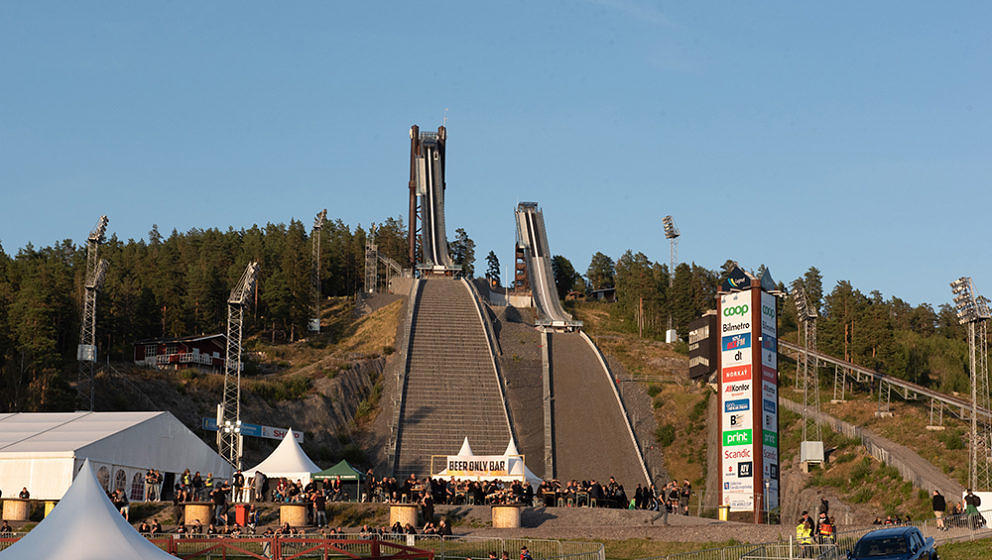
column 894, row 543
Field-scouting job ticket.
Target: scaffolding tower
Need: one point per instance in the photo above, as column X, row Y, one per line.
column 96, row 269
column 229, row 439
column 318, row 226
column 811, row 448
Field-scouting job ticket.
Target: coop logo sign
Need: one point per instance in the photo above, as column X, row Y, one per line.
column 736, row 310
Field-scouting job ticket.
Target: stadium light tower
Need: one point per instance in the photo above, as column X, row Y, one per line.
column 672, row 235
column 811, row 448
column 229, row 440
column 96, row 269
column 318, row 227
column 371, row 261
column 973, row 310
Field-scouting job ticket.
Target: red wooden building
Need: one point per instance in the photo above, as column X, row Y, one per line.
column 204, row 351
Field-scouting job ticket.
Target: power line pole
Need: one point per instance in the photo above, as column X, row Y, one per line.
column 229, row 440
column 96, row 269
column 318, row 228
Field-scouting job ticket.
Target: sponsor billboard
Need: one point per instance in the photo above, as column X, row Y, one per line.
column 769, row 397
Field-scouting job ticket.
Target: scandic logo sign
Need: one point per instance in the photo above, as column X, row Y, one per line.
column 737, row 437
column 737, row 373
column 736, row 342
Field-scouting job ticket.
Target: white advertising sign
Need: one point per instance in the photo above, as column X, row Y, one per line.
column 769, row 398
column 737, row 401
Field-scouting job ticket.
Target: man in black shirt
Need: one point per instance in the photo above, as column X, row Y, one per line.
column 939, row 507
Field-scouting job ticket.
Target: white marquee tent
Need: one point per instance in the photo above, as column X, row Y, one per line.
column 287, row 461
column 84, row 526
column 42, row 450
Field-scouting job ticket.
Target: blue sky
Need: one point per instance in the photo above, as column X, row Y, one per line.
column 851, row 136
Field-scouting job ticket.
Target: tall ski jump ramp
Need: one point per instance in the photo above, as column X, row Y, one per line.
column 588, row 434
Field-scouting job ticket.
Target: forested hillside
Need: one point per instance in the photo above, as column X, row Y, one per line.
column 922, row 344
column 160, row 287
column 178, row 285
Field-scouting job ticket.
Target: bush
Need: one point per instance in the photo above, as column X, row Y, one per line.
column 665, row 435
column 861, row 470
column 653, row 390
column 953, row 439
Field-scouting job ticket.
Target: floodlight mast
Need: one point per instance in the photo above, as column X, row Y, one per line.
column 229, row 410
column 96, row 270
column 808, row 376
column 371, row 261
column 672, row 234
column 318, row 227
column 973, row 310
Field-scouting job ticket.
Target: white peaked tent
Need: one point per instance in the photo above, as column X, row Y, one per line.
column 517, row 467
column 287, row 461
column 466, row 450
column 84, row 526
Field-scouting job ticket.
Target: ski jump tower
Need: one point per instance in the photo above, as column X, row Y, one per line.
column 430, row 256
column 96, row 269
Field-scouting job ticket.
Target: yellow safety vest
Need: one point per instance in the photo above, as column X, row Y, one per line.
column 803, row 534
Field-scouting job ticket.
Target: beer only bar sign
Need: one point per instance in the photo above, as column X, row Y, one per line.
column 748, row 400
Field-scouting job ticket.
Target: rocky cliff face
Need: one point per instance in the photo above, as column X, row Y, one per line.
column 326, row 413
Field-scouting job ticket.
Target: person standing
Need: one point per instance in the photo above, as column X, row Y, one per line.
column 971, row 509
column 238, row 483
column 939, row 507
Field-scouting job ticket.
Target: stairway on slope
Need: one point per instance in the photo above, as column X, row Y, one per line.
column 591, row 438
column 451, row 390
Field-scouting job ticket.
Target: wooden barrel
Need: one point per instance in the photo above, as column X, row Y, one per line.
column 404, row 513
column 506, row 516
column 294, row 514
column 16, row 509
column 198, row 511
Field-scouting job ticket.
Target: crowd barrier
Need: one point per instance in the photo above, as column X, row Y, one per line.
column 398, row 546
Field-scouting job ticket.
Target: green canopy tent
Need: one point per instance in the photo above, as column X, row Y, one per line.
column 346, row 472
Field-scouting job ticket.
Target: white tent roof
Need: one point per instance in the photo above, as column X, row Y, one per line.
column 84, row 526
column 287, row 461
column 33, row 444
column 466, row 450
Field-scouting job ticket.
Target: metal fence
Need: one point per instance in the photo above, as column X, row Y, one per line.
column 298, row 546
